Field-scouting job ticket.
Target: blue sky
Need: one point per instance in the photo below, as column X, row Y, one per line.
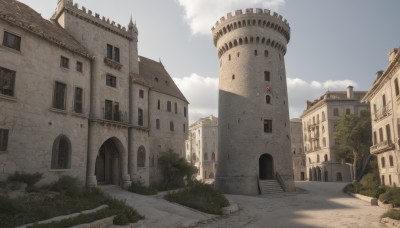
column 333, row 43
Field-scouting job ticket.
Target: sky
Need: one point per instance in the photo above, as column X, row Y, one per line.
column 333, row 44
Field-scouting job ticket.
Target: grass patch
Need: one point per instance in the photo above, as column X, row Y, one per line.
column 141, row 189
column 393, row 214
column 201, row 197
column 71, row 198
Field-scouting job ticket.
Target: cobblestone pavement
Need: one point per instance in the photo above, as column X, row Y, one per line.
column 318, row 204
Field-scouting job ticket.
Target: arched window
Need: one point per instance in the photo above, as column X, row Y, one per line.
column 205, row 156
column 141, row 157
column 268, row 99
column 61, row 155
column 318, row 158
column 213, row 156
column 326, row 157
column 323, row 116
column 391, row 160
column 383, row 162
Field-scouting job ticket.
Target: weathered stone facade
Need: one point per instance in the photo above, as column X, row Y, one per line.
column 319, row 120
column 202, row 147
column 83, row 102
column 384, row 99
column 298, row 156
column 253, row 127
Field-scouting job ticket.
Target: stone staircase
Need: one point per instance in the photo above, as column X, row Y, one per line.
column 270, row 187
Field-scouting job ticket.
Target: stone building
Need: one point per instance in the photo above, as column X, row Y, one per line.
column 77, row 99
column 202, row 147
column 319, row 121
column 253, row 128
column 298, row 156
column 384, row 99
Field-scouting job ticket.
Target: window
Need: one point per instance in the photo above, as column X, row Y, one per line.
column 205, row 156
column 64, row 62
column 348, row 112
column 396, row 86
column 61, row 155
column 7, row 80
column 176, row 108
column 323, row 116
column 255, row 53
column 12, row 41
column 59, row 96
column 158, row 105
column 266, row 53
column 78, row 106
column 141, row 157
column 267, row 76
column 112, row 53
column 79, row 66
column 380, row 135
column 391, row 160
column 383, row 180
column 140, row 117
column 171, row 126
column 184, row 111
column 233, row 76
column 268, row 99
column 324, row 141
column 3, row 139
column 213, row 156
column 184, row 128
column 111, row 110
column 111, row 80
column 169, row 106
column 388, row 135
column 375, row 138
column 383, row 162
column 141, row 93
column 325, row 157
column 267, row 126
column 335, row 111
column 317, row 157
column 158, row 124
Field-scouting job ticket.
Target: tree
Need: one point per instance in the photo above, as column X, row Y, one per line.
column 353, row 134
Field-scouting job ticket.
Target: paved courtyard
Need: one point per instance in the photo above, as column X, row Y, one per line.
column 319, row 204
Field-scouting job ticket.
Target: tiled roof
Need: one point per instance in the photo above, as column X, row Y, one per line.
column 23, row 16
column 158, row 78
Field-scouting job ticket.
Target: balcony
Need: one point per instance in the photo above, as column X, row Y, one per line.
column 112, row 64
column 116, row 116
column 383, row 112
column 382, row 147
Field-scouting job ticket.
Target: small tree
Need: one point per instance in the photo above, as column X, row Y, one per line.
column 175, row 169
column 353, row 133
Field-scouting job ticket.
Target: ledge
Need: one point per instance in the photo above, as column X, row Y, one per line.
column 371, row 200
column 9, row 98
column 385, row 205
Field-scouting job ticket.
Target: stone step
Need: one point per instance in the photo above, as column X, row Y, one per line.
column 270, row 187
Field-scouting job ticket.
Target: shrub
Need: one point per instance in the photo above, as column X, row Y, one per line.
column 201, row 197
column 68, row 186
column 139, row 188
column 391, row 195
column 29, row 179
column 393, row 214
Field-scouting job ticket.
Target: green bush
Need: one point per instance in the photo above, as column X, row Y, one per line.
column 368, row 185
column 393, row 214
column 29, row 179
column 69, row 186
column 201, row 197
column 139, row 188
column 391, row 196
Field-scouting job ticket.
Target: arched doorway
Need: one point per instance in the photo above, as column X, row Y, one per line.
column 318, row 174
column 266, row 167
column 108, row 164
column 326, row 176
column 314, row 174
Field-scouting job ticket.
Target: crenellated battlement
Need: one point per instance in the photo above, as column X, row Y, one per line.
column 237, row 20
column 83, row 13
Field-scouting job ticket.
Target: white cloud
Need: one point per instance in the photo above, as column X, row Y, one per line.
column 299, row 91
column 202, row 93
column 201, row 15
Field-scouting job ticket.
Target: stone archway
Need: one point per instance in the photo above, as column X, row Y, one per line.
column 108, row 164
column 266, row 167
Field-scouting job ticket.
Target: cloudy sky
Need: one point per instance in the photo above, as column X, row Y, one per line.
column 333, row 43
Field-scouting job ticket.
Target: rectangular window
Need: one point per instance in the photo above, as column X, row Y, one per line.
column 396, row 86
column 169, row 106
column 116, row 112
column 184, row 111
column 78, row 107
column 116, row 54
column 267, row 126
column 171, row 126
column 79, row 66
column 108, row 110
column 141, row 93
column 176, row 108
column 348, row 112
column 184, row 128
column 388, row 135
column 111, row 80
column 59, row 96
column 12, row 41
column 267, row 76
column 375, row 138
column 336, row 112
column 109, row 51
column 3, row 139
column 158, row 105
column 7, row 80
column 158, row 124
column 380, row 135
column 140, row 117
column 64, row 62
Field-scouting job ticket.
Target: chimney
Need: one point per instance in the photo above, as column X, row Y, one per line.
column 350, row 93
column 378, row 74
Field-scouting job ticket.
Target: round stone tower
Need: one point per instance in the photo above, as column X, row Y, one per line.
column 254, row 131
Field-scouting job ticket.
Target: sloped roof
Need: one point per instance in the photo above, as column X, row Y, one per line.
column 23, row 16
column 157, row 77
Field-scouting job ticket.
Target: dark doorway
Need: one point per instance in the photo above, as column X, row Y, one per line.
column 326, row 176
column 302, row 176
column 108, row 164
column 266, row 167
column 318, row 174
